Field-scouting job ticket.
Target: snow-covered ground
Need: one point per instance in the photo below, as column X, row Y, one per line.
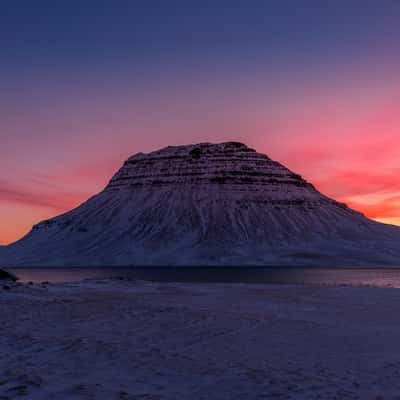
column 114, row 339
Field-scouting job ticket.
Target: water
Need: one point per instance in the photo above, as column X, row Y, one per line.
column 379, row 277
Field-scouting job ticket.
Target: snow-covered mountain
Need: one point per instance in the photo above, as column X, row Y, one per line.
column 207, row 204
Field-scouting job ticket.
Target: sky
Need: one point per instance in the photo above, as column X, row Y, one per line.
column 85, row 84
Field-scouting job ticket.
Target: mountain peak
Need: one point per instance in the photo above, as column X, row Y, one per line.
column 203, row 164
column 207, row 204
column 196, row 149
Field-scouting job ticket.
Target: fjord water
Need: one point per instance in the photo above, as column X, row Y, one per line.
column 379, row 277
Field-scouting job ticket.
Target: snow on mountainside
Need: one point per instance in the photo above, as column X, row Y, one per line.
column 207, row 204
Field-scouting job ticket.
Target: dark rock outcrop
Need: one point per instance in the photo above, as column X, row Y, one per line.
column 7, row 276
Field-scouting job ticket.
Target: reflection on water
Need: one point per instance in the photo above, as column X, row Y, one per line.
column 382, row 277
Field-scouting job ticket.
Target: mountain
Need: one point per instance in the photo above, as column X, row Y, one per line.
column 207, row 204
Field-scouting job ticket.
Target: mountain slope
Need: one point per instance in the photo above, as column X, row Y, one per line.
column 207, row 204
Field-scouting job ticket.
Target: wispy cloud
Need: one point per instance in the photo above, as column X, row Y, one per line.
column 38, row 196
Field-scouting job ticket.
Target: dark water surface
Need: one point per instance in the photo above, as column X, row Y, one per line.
column 380, row 277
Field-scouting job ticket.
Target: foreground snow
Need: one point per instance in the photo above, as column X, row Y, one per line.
column 132, row 340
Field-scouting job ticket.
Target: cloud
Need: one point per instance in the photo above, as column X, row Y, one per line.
column 384, row 209
column 39, row 196
column 362, row 182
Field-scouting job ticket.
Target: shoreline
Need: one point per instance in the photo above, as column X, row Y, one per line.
column 355, row 277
